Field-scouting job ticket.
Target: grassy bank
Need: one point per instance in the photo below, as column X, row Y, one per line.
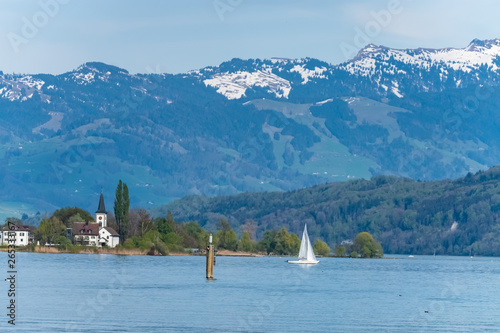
column 78, row 250
column 118, row 251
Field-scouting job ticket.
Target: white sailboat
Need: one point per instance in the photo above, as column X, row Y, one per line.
column 306, row 253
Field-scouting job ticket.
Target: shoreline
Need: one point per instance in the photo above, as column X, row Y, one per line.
column 122, row 251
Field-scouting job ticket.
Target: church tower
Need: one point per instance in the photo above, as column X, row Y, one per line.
column 101, row 216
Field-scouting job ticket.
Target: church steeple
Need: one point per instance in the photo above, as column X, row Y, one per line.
column 101, row 208
column 101, row 215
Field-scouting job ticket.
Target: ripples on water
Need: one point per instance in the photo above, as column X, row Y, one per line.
column 106, row 293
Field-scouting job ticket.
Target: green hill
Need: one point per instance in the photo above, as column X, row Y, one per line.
column 452, row 217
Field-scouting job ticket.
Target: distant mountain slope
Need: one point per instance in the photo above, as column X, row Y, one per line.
column 246, row 125
column 458, row 217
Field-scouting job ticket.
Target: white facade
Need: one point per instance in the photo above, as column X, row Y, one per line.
column 102, row 219
column 87, row 240
column 21, row 237
column 108, row 238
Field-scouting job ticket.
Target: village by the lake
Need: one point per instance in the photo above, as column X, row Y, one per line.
column 74, row 230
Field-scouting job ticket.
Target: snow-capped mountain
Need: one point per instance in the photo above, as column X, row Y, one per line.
column 384, row 71
column 427, row 69
column 387, row 72
column 249, row 125
column 476, row 55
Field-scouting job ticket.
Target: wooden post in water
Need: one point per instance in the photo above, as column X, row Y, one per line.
column 210, row 259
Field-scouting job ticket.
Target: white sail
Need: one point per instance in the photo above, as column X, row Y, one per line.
column 306, row 253
column 310, row 251
column 304, row 245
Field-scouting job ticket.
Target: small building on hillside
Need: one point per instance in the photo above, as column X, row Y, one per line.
column 22, row 235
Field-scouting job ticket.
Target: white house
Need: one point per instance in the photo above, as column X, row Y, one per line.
column 22, row 235
column 86, row 233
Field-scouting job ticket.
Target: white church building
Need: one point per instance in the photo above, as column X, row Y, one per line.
column 96, row 233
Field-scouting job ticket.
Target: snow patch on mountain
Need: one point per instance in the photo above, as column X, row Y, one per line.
column 20, row 87
column 31, row 82
column 396, row 92
column 91, row 71
column 234, row 85
column 306, row 74
column 84, row 78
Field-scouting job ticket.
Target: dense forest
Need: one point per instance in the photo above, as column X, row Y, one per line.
column 448, row 217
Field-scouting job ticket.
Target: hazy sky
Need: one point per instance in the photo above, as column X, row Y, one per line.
column 55, row 36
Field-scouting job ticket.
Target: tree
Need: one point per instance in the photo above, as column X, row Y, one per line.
column 121, row 208
column 250, row 228
column 68, row 215
column 12, row 220
column 73, row 219
column 367, row 246
column 163, row 226
column 321, row 248
column 168, row 229
column 63, row 243
column 139, row 222
column 340, row 251
column 231, row 240
column 286, row 244
column 268, row 242
column 49, row 230
column 245, row 243
column 226, row 236
column 223, row 227
column 295, row 244
column 194, row 235
column 153, row 244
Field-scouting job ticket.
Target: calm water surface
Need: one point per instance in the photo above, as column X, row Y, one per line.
column 106, row 293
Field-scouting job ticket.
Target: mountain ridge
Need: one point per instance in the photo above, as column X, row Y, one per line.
column 286, row 124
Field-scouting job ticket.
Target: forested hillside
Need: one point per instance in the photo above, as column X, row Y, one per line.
column 453, row 217
column 246, row 126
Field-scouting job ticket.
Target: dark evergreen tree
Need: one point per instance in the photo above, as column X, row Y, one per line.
column 121, row 208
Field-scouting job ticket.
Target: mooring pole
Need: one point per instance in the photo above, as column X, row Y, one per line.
column 210, row 259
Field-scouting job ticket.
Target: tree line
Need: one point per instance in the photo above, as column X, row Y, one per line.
column 448, row 217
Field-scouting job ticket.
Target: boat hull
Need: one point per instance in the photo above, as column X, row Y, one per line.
column 303, row 262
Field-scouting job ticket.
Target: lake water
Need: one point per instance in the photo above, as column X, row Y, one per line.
column 107, row 293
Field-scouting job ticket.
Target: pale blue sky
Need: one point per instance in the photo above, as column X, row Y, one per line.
column 177, row 36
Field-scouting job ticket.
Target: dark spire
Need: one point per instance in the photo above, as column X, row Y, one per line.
column 101, row 208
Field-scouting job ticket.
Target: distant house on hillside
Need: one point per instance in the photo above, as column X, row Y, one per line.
column 95, row 233
column 23, row 235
